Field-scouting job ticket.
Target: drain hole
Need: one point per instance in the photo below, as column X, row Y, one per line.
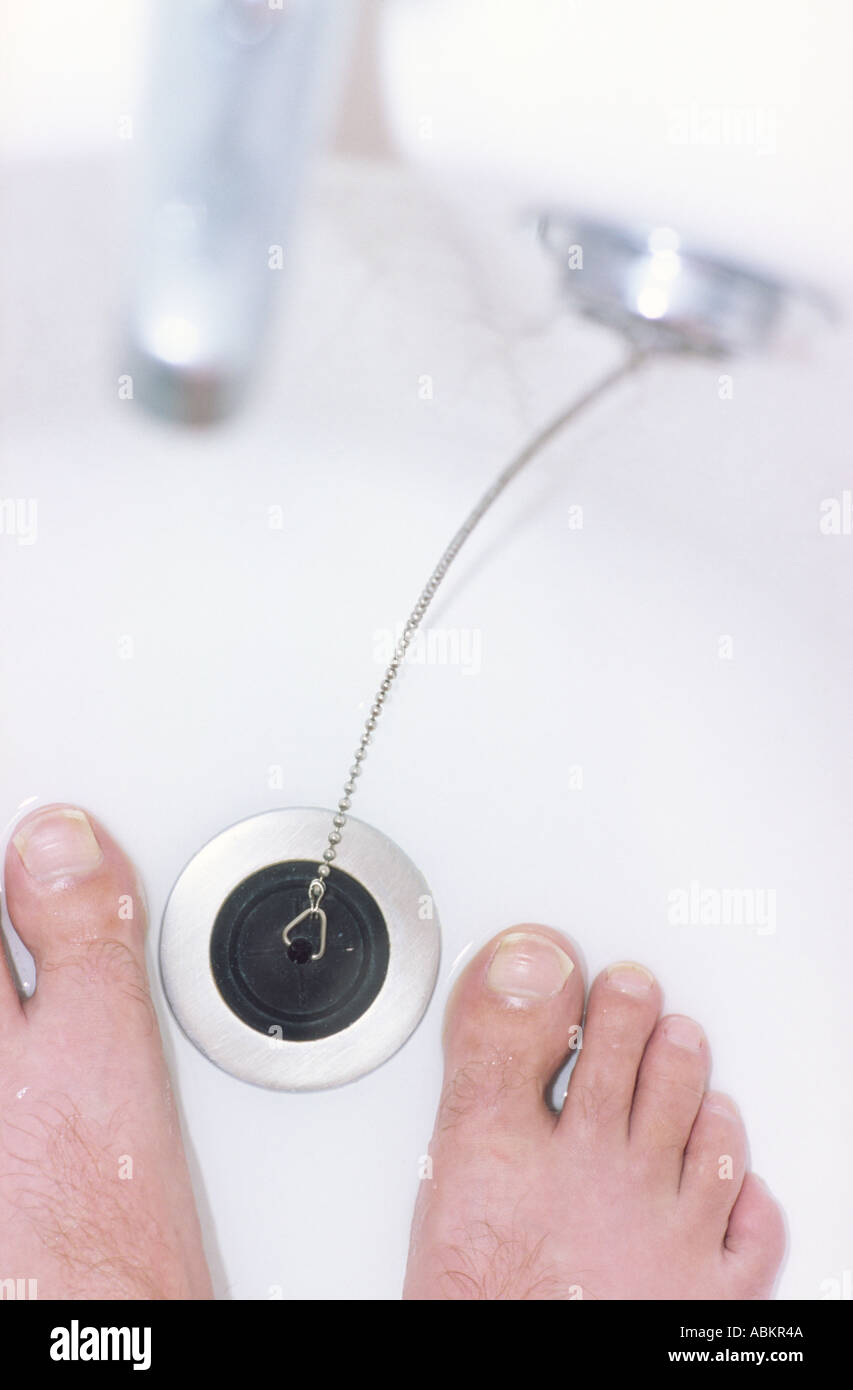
column 300, row 951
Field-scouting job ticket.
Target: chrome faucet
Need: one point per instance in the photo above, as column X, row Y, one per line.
column 237, row 93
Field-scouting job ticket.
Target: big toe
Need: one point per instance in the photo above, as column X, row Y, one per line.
column 74, row 899
column 512, row 1020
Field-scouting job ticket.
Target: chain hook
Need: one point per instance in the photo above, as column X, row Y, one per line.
column 316, row 889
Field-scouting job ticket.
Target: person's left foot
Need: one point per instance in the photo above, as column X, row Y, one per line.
column 95, row 1197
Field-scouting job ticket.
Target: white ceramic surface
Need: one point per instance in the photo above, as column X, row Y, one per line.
column 256, row 649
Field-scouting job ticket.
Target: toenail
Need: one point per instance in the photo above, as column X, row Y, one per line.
column 529, row 967
column 720, row 1105
column 684, row 1033
column 630, row 978
column 58, row 844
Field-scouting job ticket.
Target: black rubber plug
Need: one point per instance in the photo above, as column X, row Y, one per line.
column 280, row 990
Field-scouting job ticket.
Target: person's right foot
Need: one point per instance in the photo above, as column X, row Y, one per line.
column 95, row 1197
column 638, row 1190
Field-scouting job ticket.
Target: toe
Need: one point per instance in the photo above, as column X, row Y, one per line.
column 755, row 1239
column 714, row 1164
column 624, row 1003
column 670, row 1087
column 74, row 899
column 512, row 1019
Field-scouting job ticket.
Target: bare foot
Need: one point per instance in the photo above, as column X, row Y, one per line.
column 95, row 1197
column 637, row 1190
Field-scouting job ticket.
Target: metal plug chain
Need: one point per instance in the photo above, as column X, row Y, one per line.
column 317, row 886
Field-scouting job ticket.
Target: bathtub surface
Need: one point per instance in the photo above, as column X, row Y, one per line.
column 637, row 688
